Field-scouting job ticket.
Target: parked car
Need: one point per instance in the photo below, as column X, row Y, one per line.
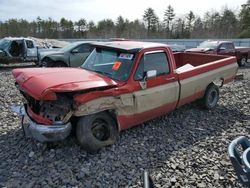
column 72, row 55
column 14, row 50
column 121, row 84
column 223, row 48
column 177, row 47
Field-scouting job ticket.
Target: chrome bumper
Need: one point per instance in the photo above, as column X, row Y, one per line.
column 44, row 133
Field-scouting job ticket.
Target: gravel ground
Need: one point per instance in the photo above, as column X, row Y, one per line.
column 186, row 148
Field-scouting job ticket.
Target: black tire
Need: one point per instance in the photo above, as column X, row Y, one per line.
column 211, row 96
column 243, row 61
column 59, row 64
column 45, row 62
column 96, row 131
column 53, row 64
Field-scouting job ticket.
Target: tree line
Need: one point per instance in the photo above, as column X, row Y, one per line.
column 214, row 24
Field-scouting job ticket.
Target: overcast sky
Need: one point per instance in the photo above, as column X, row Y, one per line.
column 99, row 9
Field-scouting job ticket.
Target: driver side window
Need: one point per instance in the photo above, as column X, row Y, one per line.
column 84, row 48
column 153, row 61
column 223, row 46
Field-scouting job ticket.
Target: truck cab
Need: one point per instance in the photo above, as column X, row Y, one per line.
column 18, row 49
column 120, row 85
column 226, row 48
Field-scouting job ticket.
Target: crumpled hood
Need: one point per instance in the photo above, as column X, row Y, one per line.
column 38, row 82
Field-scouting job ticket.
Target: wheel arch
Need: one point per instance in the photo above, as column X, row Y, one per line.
column 111, row 112
column 61, row 62
column 218, row 82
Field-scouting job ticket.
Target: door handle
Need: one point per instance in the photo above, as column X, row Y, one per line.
column 171, row 78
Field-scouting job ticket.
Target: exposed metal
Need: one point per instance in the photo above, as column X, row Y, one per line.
column 45, row 133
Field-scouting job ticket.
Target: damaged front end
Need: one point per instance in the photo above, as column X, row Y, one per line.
column 47, row 121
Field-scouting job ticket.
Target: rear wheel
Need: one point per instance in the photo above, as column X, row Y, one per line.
column 96, row 131
column 211, row 96
column 60, row 64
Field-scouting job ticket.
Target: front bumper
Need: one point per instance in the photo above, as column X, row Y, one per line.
column 44, row 133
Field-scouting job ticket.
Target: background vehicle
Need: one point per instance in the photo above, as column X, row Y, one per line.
column 72, row 55
column 223, row 48
column 121, row 84
column 239, row 154
column 177, row 47
column 14, row 50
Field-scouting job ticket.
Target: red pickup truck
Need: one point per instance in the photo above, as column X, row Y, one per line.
column 223, row 48
column 121, row 84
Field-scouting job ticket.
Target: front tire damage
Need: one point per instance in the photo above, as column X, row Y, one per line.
column 96, row 131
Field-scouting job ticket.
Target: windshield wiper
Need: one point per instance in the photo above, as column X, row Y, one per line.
column 99, row 72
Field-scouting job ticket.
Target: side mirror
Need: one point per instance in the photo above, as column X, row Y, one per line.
column 151, row 74
column 74, row 51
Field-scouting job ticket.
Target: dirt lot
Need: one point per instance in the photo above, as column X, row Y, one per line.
column 186, row 148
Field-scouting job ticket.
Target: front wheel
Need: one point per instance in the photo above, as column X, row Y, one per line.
column 96, row 131
column 211, row 96
column 243, row 61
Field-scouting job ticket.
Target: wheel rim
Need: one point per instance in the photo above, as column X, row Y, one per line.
column 243, row 61
column 100, row 130
column 212, row 98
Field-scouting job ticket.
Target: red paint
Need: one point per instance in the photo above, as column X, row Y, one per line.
column 38, row 82
column 191, row 98
column 201, row 62
column 43, row 83
column 38, row 118
column 128, row 121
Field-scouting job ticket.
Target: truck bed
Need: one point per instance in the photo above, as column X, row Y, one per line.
column 195, row 59
column 195, row 71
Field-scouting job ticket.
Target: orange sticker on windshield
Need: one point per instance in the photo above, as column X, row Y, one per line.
column 116, row 65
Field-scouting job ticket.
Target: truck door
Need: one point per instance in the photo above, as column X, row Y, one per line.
column 158, row 93
column 226, row 49
column 30, row 51
column 79, row 54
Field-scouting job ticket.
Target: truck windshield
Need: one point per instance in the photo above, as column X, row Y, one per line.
column 206, row 44
column 4, row 43
column 112, row 63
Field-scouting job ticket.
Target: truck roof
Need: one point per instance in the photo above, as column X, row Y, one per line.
column 131, row 46
column 218, row 41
